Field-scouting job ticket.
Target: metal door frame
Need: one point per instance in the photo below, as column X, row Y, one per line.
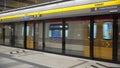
column 114, row 40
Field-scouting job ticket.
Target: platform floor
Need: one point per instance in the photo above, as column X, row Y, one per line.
column 21, row 58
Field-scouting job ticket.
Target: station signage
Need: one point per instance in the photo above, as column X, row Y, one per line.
column 106, row 8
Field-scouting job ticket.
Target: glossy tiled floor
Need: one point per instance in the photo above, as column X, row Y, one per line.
column 18, row 58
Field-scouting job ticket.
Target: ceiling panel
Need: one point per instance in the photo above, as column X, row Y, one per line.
column 12, row 4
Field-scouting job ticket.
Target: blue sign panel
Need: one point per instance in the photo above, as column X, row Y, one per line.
column 105, row 8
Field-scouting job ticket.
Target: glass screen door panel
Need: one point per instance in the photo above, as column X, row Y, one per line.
column 119, row 38
column 103, row 40
column 53, row 36
column 1, row 34
column 77, row 38
column 38, row 36
column 30, row 35
column 7, row 34
column 19, row 34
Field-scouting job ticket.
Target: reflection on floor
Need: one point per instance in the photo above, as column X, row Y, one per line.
column 18, row 58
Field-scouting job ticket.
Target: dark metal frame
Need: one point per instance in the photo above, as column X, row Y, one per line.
column 43, row 34
column 63, row 36
column 12, row 40
column 25, row 34
column 92, row 37
column 115, row 37
column 3, row 35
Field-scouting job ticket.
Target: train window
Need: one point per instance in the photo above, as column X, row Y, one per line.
column 95, row 30
column 107, row 30
column 55, row 30
column 28, row 31
column 22, row 30
column 28, row 28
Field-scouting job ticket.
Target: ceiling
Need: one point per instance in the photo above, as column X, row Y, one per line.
column 12, row 4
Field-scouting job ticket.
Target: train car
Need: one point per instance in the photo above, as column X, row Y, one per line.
column 82, row 28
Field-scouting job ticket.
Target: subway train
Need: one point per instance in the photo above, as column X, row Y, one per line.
column 81, row 28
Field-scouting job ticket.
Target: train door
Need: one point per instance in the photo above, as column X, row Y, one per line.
column 30, row 35
column 119, row 38
column 7, row 31
column 103, row 33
